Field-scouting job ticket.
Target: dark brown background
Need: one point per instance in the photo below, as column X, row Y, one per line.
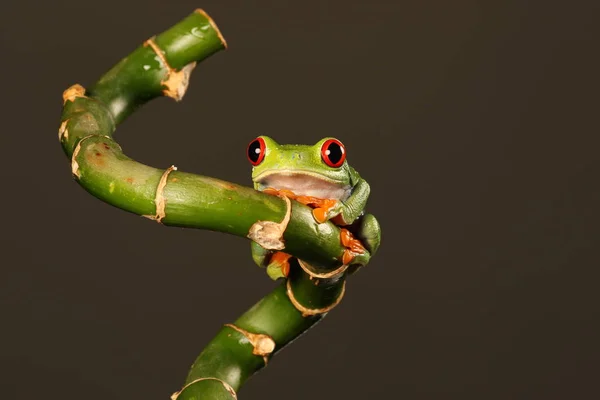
column 474, row 122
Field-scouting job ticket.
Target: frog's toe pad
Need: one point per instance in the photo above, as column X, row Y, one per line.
column 350, row 242
column 353, row 246
column 279, row 265
column 325, row 210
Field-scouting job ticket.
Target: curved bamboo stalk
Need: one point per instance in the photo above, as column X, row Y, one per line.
column 162, row 66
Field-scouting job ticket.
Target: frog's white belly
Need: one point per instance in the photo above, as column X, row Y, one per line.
column 306, row 185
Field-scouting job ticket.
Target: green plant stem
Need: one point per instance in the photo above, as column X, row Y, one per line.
column 162, row 66
column 229, row 357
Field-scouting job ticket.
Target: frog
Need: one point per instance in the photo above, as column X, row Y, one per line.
column 320, row 177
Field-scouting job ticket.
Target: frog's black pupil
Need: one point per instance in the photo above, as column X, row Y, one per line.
column 254, row 151
column 334, row 152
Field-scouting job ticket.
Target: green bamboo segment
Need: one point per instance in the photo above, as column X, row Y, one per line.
column 230, row 356
column 139, row 77
column 197, row 33
column 189, row 200
column 162, row 66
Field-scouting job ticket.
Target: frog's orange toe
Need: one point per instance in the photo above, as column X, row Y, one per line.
column 271, row 190
column 353, row 246
column 282, row 259
column 280, row 192
column 347, row 257
column 308, row 200
column 320, row 215
column 323, row 207
column 350, row 243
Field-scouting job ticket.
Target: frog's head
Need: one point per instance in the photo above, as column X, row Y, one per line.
column 320, row 170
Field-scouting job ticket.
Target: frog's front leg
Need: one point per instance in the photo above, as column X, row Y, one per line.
column 344, row 212
column 276, row 262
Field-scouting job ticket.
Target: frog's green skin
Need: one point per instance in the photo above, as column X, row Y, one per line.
column 301, row 169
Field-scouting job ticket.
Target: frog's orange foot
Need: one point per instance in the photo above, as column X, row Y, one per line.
column 311, row 201
column 353, row 246
column 322, row 211
column 279, row 265
column 281, row 193
column 321, row 207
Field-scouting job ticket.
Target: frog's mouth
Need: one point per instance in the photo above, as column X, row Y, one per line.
column 304, row 183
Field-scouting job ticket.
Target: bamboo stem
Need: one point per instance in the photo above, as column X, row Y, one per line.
column 162, row 66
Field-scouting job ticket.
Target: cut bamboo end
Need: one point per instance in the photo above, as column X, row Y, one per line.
column 73, row 92
column 214, row 26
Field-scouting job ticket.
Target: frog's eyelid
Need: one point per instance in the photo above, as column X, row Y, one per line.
column 269, row 139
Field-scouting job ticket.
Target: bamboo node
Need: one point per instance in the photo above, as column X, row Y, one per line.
column 73, row 92
column 226, row 385
column 74, row 164
column 159, row 200
column 263, row 344
column 269, row 234
column 313, row 311
column 175, row 82
column 63, row 132
column 309, row 269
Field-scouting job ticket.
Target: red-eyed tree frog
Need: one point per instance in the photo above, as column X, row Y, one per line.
column 320, row 177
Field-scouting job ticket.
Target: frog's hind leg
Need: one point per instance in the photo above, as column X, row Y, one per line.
column 367, row 230
column 364, row 232
column 276, row 262
column 260, row 255
column 279, row 265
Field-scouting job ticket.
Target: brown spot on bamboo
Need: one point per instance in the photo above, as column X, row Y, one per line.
column 219, row 183
column 95, row 158
column 214, row 26
column 269, row 234
column 159, row 200
column 176, row 82
column 226, row 385
column 73, row 92
column 263, row 344
column 313, row 311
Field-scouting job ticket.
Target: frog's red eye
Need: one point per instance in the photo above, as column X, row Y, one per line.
column 256, row 151
column 333, row 153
